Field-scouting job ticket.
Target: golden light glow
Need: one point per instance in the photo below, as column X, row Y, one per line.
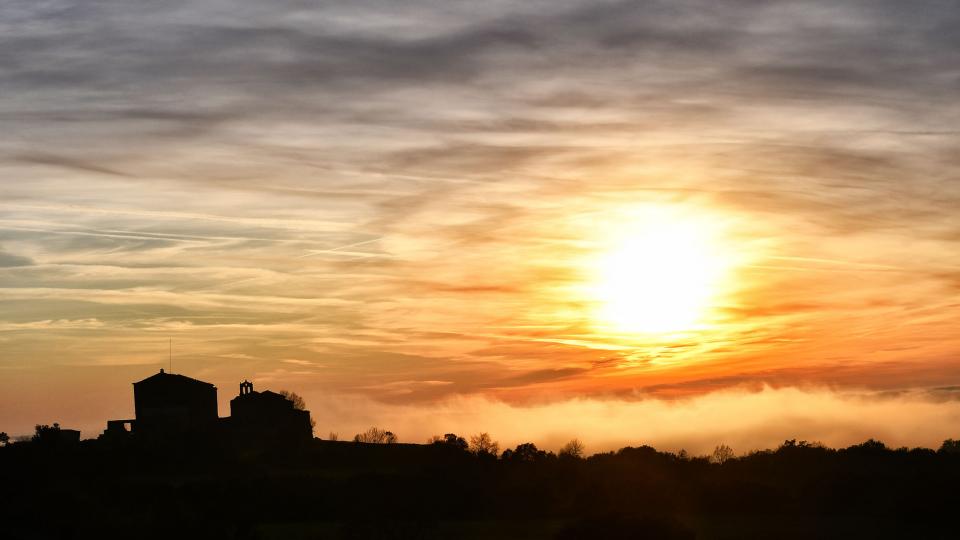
column 662, row 272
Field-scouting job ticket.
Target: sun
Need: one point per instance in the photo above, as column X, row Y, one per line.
column 660, row 272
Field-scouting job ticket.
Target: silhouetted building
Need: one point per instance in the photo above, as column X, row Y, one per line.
column 267, row 417
column 170, row 402
column 117, row 430
column 68, row 437
column 170, row 407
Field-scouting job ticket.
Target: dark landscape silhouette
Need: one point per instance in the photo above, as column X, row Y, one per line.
column 179, row 471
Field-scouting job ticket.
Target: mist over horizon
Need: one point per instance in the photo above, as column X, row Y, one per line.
column 746, row 419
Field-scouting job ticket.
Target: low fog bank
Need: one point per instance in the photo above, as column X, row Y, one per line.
column 745, row 420
column 741, row 418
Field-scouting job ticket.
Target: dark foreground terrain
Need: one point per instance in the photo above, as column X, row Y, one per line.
column 352, row 490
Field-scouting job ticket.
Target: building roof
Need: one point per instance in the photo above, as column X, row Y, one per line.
column 171, row 378
column 266, row 394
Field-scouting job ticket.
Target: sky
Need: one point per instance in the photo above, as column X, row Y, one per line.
column 415, row 215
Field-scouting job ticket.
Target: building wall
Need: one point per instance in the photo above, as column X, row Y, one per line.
column 174, row 403
column 268, row 416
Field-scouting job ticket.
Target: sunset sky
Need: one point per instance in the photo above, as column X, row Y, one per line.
column 675, row 223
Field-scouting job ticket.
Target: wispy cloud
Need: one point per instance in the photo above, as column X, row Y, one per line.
column 9, row 260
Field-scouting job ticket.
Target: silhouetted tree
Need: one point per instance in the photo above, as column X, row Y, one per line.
column 375, row 435
column 524, row 453
column 950, row 446
column 449, row 439
column 43, row 432
column 870, row 446
column 572, row 450
column 298, row 403
column 333, row 436
column 482, row 444
column 721, row 454
column 790, row 444
column 4, row 438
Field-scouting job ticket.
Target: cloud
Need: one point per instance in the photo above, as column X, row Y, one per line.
column 402, row 193
column 65, row 162
column 9, row 260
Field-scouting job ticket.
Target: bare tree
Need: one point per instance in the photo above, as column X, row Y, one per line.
column 483, row 444
column 721, row 454
column 298, row 403
column 375, row 435
column 333, row 436
column 573, row 449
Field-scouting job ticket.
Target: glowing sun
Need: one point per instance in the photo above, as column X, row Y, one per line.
column 661, row 272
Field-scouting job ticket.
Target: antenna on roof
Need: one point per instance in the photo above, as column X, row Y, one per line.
column 171, row 355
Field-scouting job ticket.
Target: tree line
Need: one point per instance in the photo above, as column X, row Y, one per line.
column 468, row 487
